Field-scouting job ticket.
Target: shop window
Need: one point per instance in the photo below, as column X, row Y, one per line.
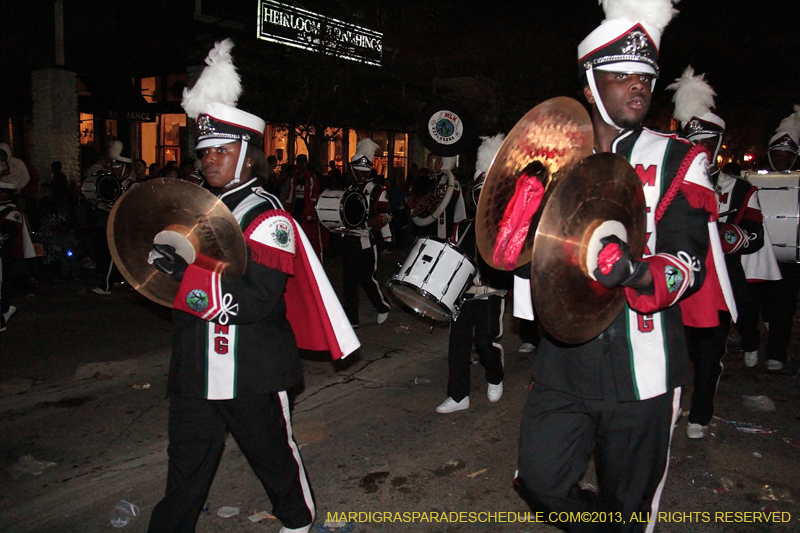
column 87, row 128
column 151, row 89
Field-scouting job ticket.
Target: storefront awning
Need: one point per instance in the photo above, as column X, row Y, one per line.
column 114, row 98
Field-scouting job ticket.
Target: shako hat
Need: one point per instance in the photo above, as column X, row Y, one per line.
column 694, row 99
column 115, row 154
column 365, row 153
column 212, row 102
column 787, row 135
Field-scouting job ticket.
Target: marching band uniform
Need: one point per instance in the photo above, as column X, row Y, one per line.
column 741, row 234
column 235, row 350
column 360, row 250
column 12, row 226
column 14, row 175
column 454, row 212
column 304, row 191
column 619, row 393
column 780, row 297
column 480, row 317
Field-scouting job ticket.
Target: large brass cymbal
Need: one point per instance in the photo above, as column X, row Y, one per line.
column 153, row 206
column 602, row 190
column 558, row 134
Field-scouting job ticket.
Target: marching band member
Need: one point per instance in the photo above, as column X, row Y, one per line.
column 780, row 297
column 452, row 210
column 360, row 249
column 12, row 229
column 480, row 317
column 235, row 353
column 741, row 229
column 619, row 393
column 304, row 190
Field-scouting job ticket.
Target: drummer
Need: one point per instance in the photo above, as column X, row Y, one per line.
column 619, row 394
column 780, row 297
column 234, row 351
column 480, row 318
column 360, row 247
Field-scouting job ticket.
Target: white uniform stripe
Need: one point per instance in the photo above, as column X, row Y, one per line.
column 500, row 334
column 676, row 414
column 221, row 362
column 372, row 277
column 296, row 453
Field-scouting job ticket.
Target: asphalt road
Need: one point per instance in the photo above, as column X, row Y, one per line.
column 83, row 425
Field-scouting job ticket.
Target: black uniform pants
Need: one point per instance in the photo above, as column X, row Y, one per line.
column 358, row 268
column 479, row 321
column 748, row 305
column 779, row 309
column 632, row 439
column 262, row 429
column 707, row 347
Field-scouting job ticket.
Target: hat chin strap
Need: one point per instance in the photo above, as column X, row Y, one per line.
column 239, row 164
column 598, row 100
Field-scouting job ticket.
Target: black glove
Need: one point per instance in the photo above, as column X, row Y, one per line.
column 616, row 266
column 167, row 260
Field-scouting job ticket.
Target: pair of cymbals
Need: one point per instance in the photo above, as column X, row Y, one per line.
column 558, row 134
column 179, row 206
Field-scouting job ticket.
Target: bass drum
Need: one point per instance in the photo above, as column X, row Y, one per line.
column 342, row 210
column 102, row 188
column 433, row 278
column 779, row 195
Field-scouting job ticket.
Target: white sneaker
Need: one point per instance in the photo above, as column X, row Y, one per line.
column 526, row 348
column 382, row 317
column 772, row 364
column 495, row 392
column 751, row 358
column 304, row 529
column 8, row 314
column 451, row 406
column 99, row 290
column 696, row 431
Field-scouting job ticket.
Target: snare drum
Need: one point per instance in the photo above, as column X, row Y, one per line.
column 101, row 188
column 341, row 211
column 433, row 279
column 779, row 195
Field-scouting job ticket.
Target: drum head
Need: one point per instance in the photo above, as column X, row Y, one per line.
column 108, row 188
column 354, row 210
column 422, row 304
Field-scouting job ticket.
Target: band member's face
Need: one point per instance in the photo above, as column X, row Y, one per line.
column 710, row 144
column 781, row 160
column 117, row 170
column 434, row 164
column 139, row 169
column 219, row 164
column 361, row 175
column 626, row 97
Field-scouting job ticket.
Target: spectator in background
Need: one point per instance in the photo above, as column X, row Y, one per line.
column 270, row 183
column 335, row 178
column 139, row 170
column 59, row 184
column 153, row 172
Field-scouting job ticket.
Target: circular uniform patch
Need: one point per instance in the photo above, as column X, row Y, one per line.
column 730, row 237
column 674, row 278
column 446, row 128
column 197, row 300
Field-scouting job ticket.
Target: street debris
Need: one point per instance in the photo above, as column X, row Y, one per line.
column 332, row 526
column 757, row 455
column 419, row 380
column 227, row 512
column 478, row 473
column 747, row 427
column 206, row 508
column 27, row 464
column 122, row 513
column 403, row 328
column 792, row 442
column 142, row 386
column 758, row 403
column 258, row 516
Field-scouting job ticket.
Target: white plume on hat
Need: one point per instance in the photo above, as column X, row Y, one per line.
column 366, row 147
column 486, row 152
column 693, row 96
column 655, row 13
column 790, row 125
column 219, row 83
column 115, row 152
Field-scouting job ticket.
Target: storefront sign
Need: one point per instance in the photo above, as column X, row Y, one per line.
column 292, row 26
